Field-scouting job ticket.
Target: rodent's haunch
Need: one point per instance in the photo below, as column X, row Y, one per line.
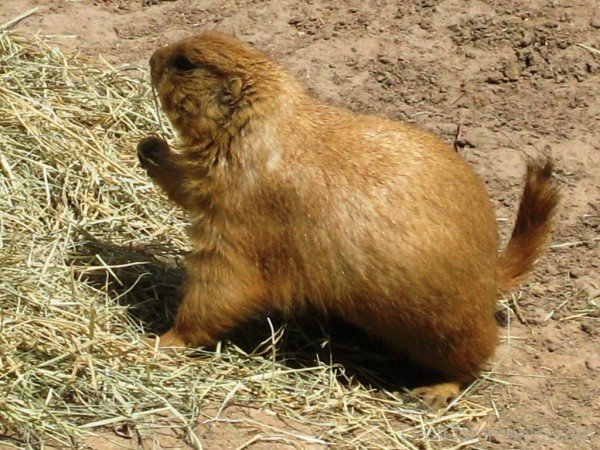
column 297, row 203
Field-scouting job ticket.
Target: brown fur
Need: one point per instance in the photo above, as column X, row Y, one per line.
column 532, row 228
column 295, row 203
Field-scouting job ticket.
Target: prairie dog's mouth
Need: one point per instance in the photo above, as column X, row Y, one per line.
column 157, row 106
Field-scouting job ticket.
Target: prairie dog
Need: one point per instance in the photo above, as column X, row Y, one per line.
column 295, row 203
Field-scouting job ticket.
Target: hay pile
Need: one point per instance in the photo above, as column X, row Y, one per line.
column 89, row 260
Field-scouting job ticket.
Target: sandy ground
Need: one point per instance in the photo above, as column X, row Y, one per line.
column 504, row 80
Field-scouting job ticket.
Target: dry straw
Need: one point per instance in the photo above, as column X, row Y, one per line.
column 90, row 259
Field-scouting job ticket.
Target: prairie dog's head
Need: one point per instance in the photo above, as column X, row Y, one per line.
column 203, row 81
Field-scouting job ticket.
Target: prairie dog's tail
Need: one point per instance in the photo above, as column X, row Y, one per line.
column 532, row 228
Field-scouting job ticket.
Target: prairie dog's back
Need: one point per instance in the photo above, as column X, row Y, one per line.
column 375, row 201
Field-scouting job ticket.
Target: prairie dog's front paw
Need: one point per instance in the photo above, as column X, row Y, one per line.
column 151, row 151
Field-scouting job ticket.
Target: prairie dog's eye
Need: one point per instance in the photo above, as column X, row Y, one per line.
column 183, row 63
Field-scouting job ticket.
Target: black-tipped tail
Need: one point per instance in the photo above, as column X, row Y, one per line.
column 532, row 228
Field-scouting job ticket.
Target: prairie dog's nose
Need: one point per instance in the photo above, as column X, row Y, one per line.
column 157, row 63
column 154, row 59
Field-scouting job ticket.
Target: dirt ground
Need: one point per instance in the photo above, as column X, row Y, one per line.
column 503, row 80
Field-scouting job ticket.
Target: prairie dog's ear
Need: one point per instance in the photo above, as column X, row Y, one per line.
column 236, row 86
column 232, row 91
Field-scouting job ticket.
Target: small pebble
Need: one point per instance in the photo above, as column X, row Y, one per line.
column 513, row 71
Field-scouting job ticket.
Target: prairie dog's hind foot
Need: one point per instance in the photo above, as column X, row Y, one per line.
column 437, row 396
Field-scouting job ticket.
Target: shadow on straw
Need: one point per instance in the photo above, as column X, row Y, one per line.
column 150, row 286
column 146, row 278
